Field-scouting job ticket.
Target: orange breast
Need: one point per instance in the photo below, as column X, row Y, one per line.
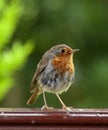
column 63, row 64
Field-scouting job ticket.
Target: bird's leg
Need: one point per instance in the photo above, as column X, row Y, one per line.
column 45, row 107
column 63, row 105
column 44, row 99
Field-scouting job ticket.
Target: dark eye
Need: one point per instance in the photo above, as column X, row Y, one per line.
column 63, row 51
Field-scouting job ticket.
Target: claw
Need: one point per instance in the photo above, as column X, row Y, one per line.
column 46, row 108
column 68, row 109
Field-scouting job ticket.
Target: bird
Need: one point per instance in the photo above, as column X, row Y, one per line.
column 55, row 73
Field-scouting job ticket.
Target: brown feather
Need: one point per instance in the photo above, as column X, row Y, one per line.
column 33, row 97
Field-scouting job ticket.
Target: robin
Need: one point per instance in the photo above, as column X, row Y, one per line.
column 55, row 74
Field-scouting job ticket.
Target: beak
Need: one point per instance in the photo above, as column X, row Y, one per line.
column 75, row 50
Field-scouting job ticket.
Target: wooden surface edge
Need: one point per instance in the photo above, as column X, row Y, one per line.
column 27, row 116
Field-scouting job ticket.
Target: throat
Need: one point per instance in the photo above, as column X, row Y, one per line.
column 63, row 64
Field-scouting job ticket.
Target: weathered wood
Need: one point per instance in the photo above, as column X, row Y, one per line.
column 25, row 118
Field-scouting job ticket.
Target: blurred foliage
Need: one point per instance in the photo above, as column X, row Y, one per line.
column 13, row 58
column 9, row 18
column 79, row 24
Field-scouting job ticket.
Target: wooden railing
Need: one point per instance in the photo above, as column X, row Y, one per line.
column 77, row 119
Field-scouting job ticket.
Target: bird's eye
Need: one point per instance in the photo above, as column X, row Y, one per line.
column 63, row 51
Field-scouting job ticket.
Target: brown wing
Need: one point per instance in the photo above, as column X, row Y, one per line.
column 40, row 68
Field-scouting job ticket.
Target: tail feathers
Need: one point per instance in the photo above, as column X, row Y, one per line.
column 33, row 97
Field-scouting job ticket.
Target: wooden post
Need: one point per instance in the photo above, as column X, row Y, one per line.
column 77, row 119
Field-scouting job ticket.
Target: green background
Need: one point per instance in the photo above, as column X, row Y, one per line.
column 79, row 24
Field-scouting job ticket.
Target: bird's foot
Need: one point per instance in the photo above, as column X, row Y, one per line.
column 68, row 109
column 46, row 108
